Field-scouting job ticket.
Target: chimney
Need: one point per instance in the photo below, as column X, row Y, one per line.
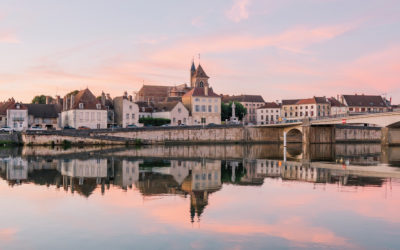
column 103, row 99
column 58, row 99
column 130, row 98
column 206, row 90
column 47, row 99
column 72, row 101
column 64, row 103
column 337, row 97
column 108, row 96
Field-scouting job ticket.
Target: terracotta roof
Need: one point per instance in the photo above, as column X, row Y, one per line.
column 364, row 100
column 270, row 105
column 200, row 92
column 313, row 100
column 200, row 72
column 154, row 90
column 243, row 98
column 43, row 110
column 335, row 103
column 87, row 98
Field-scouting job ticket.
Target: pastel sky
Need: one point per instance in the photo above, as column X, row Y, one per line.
column 279, row 49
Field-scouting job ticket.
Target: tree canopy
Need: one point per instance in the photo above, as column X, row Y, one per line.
column 41, row 99
column 226, row 110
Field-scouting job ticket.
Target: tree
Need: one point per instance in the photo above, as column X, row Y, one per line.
column 226, row 110
column 41, row 99
column 154, row 121
column 73, row 92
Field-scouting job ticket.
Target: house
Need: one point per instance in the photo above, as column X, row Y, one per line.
column 45, row 116
column 174, row 111
column 158, row 93
column 250, row 102
column 17, row 116
column 145, row 109
column 3, row 111
column 365, row 103
column 338, row 108
column 269, row 113
column 126, row 111
column 203, row 104
column 297, row 109
column 83, row 110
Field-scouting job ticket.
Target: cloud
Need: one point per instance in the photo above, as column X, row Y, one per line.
column 7, row 234
column 8, row 37
column 238, row 11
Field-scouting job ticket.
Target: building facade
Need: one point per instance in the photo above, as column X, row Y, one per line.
column 174, row 111
column 338, row 108
column 17, row 117
column 45, row 116
column 299, row 109
column 203, row 104
column 364, row 103
column 84, row 110
column 126, row 111
column 250, row 102
column 270, row 113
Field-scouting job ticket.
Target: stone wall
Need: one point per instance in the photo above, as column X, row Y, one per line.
column 10, row 138
column 357, row 133
column 198, row 134
column 391, row 136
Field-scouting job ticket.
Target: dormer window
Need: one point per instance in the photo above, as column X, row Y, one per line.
column 98, row 106
column 80, row 105
column 17, row 106
column 201, row 84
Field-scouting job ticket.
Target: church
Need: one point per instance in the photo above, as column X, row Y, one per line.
column 203, row 104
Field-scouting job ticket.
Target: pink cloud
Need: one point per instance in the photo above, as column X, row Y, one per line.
column 7, row 234
column 238, row 11
column 8, row 37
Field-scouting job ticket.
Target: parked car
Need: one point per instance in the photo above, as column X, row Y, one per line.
column 36, row 128
column 165, row 125
column 6, row 129
column 83, row 128
column 212, row 125
column 68, row 127
column 131, row 126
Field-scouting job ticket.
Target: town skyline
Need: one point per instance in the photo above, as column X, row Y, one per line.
column 277, row 50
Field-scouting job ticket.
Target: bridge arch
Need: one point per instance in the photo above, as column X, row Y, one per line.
column 294, row 135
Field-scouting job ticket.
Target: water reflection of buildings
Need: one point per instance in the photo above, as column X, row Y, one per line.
column 197, row 177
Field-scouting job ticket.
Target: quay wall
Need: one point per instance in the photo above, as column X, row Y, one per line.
column 219, row 134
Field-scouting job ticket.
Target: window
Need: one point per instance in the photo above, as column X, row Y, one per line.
column 98, row 106
column 184, row 120
column 201, row 84
column 197, row 108
column 209, row 108
column 130, row 106
column 98, row 116
column 81, row 105
column 179, row 110
column 174, row 120
column 203, row 108
column 196, row 100
column 92, row 116
column 203, row 120
column 216, row 108
column 133, row 116
column 127, row 116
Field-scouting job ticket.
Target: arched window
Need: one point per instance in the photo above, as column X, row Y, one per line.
column 201, row 84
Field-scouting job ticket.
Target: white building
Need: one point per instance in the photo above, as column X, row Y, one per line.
column 83, row 110
column 338, row 108
column 174, row 111
column 17, row 117
column 126, row 112
column 270, row 113
column 203, row 104
column 305, row 108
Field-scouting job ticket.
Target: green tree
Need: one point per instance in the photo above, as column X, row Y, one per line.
column 154, row 121
column 73, row 92
column 41, row 99
column 226, row 110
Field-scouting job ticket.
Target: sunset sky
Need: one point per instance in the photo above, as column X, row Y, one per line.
column 279, row 49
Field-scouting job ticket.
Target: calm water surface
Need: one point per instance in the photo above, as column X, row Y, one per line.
column 207, row 197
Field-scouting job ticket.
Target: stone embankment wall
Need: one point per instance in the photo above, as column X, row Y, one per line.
column 6, row 137
column 219, row 134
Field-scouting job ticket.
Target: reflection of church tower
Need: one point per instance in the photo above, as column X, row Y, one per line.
column 198, row 201
column 198, row 78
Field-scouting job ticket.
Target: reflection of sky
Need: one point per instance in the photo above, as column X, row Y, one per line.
column 277, row 214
